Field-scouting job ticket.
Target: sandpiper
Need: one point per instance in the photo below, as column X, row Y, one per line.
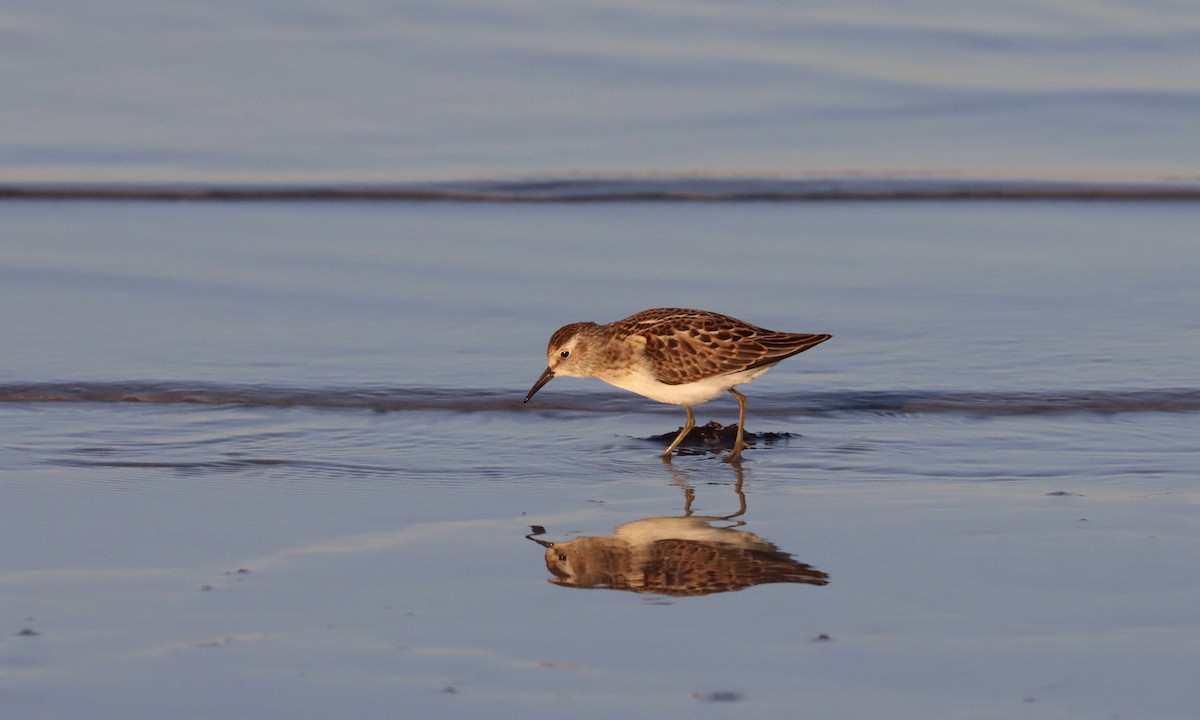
column 675, row 356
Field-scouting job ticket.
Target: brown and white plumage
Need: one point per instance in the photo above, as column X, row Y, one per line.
column 675, row 556
column 673, row 355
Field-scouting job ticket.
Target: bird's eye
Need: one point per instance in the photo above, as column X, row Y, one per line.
column 562, row 558
column 564, row 354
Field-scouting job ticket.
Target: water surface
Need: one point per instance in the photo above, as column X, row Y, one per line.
column 265, row 456
column 270, row 460
column 286, row 91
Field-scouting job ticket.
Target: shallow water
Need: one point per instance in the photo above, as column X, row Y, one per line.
column 271, row 460
column 288, row 91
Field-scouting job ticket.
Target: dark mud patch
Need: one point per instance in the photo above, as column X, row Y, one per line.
column 715, row 436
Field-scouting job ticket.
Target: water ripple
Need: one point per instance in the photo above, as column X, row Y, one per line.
column 502, row 400
column 637, row 189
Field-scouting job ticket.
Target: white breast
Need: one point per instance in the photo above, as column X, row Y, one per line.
column 643, row 382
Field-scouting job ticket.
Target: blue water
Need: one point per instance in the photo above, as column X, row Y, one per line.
column 269, row 458
column 968, row 297
column 279, row 449
column 303, row 91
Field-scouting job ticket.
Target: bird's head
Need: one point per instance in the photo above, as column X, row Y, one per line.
column 567, row 354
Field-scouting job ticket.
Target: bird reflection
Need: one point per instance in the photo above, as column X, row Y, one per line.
column 676, row 556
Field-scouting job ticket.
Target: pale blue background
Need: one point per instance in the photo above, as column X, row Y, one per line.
column 278, row 90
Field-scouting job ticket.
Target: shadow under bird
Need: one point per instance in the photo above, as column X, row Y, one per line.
column 675, row 356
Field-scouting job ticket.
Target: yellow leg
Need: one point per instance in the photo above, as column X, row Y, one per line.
column 738, row 444
column 687, row 428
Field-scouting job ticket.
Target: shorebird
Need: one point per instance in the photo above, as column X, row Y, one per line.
column 675, row 356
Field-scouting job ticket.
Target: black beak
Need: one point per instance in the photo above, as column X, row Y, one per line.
column 545, row 378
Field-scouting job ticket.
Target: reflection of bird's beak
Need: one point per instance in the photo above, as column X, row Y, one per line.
column 545, row 378
column 538, row 530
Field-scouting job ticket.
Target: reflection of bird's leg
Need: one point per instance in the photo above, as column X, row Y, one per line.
column 687, row 428
column 736, row 454
column 689, row 494
column 737, row 488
